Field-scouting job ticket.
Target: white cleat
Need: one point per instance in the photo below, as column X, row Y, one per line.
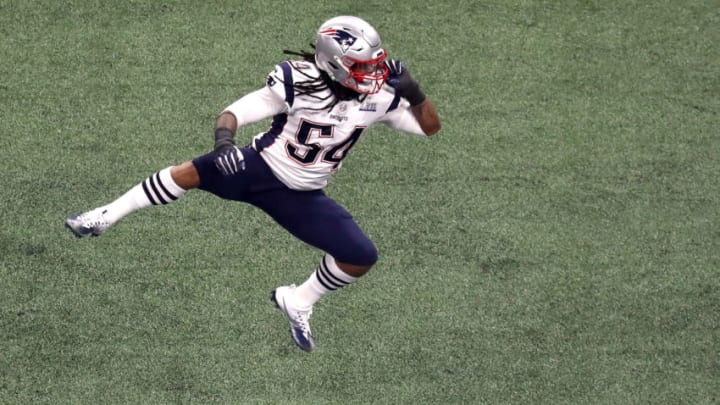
column 91, row 223
column 299, row 317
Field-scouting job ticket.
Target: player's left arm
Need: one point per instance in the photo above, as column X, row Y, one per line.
column 422, row 109
column 426, row 115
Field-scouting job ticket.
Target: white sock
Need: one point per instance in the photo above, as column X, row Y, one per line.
column 158, row 189
column 325, row 279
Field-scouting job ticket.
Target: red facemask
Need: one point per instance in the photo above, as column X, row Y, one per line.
column 366, row 76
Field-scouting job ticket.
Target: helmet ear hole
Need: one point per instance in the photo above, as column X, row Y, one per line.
column 334, row 66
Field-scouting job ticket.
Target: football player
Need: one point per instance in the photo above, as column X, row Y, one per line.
column 320, row 105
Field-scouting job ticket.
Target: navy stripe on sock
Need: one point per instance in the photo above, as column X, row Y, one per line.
column 148, row 194
column 162, row 186
column 326, row 269
column 323, row 282
column 328, row 279
column 155, row 189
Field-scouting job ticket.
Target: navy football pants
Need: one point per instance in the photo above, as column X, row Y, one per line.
column 311, row 216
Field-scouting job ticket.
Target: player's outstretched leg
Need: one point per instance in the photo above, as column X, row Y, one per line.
column 158, row 189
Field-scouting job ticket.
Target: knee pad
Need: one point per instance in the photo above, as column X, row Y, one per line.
column 360, row 254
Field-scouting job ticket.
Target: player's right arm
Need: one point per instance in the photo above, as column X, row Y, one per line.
column 260, row 104
column 251, row 108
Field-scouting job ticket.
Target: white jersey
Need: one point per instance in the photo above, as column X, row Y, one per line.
column 306, row 143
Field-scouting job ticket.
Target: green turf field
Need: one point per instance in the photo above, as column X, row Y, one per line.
column 558, row 242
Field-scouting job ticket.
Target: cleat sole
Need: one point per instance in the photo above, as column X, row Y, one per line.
column 77, row 235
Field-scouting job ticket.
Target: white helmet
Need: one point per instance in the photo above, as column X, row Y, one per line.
column 348, row 49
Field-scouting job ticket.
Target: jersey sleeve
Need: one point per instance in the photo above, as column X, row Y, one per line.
column 280, row 82
column 256, row 106
column 401, row 118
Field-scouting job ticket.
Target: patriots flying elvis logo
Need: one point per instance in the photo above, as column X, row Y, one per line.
column 341, row 37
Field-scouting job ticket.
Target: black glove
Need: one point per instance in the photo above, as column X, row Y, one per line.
column 404, row 84
column 229, row 161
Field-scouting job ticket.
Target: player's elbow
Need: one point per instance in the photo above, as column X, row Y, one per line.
column 432, row 128
column 427, row 116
